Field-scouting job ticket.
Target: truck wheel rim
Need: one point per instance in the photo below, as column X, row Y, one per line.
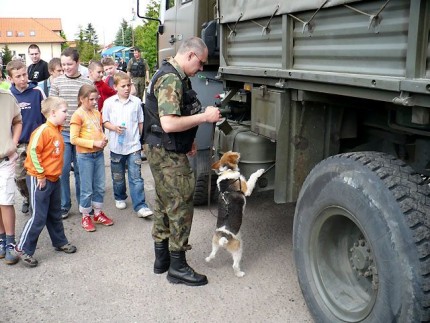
column 343, row 265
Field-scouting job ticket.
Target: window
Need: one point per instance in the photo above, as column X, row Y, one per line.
column 185, row 1
column 170, row 4
column 9, row 34
column 20, row 34
column 32, row 33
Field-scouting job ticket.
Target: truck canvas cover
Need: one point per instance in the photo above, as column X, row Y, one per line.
column 231, row 10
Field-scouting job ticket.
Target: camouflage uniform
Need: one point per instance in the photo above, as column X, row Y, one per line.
column 138, row 81
column 21, row 173
column 173, row 175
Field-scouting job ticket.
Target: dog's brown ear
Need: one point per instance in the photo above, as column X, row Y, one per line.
column 234, row 157
column 216, row 165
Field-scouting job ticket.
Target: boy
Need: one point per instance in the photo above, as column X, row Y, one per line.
column 55, row 70
column 4, row 84
column 38, row 70
column 44, row 163
column 123, row 116
column 95, row 70
column 67, row 86
column 11, row 119
column 110, row 70
column 29, row 96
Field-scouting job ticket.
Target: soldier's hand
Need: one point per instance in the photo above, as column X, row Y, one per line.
column 212, row 114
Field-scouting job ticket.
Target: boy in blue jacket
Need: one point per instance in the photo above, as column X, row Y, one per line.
column 29, row 97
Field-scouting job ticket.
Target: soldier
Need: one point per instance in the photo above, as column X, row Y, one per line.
column 170, row 124
column 138, row 69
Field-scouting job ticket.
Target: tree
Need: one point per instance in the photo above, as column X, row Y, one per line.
column 146, row 36
column 6, row 55
column 87, row 44
column 63, row 45
column 124, row 35
column 90, row 35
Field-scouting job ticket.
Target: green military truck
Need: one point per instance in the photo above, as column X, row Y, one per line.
column 332, row 98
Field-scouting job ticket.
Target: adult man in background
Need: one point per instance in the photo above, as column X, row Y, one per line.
column 172, row 115
column 38, row 71
column 138, row 69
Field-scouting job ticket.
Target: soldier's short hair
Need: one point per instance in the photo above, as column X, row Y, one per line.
column 194, row 44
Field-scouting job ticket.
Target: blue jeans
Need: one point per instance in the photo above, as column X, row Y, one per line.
column 135, row 180
column 92, row 166
column 69, row 157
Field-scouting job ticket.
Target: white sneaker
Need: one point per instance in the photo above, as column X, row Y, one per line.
column 120, row 205
column 144, row 212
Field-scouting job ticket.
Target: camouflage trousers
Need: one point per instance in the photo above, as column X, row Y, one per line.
column 139, row 84
column 174, row 186
column 21, row 173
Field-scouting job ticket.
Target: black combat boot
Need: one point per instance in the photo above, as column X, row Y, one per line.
column 181, row 273
column 162, row 256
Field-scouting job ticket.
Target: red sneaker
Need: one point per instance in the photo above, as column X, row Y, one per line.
column 87, row 224
column 102, row 219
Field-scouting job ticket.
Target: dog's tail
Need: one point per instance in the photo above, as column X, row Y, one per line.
column 223, row 241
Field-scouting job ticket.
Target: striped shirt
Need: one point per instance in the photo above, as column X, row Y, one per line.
column 68, row 88
column 131, row 114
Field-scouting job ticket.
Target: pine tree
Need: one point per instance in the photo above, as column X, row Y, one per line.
column 146, row 35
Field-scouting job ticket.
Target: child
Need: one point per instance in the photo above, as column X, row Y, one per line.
column 67, row 86
column 118, row 110
column 55, row 70
column 44, row 163
column 95, row 70
column 29, row 96
column 110, row 69
column 11, row 119
column 4, row 84
column 87, row 134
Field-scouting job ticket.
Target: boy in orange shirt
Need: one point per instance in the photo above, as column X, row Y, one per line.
column 44, row 163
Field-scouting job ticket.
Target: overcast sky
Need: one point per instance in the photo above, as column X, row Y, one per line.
column 104, row 15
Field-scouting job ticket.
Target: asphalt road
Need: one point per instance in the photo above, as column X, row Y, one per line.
column 110, row 278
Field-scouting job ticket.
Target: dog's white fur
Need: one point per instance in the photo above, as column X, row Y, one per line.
column 227, row 170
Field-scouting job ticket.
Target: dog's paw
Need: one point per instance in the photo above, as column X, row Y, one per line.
column 207, row 259
column 239, row 273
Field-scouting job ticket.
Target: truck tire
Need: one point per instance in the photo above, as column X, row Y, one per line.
column 201, row 193
column 362, row 240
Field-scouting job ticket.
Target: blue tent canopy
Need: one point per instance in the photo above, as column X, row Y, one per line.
column 113, row 50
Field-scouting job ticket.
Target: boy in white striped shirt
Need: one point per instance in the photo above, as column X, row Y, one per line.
column 123, row 117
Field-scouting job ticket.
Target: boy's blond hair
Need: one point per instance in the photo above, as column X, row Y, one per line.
column 107, row 61
column 120, row 76
column 15, row 64
column 52, row 103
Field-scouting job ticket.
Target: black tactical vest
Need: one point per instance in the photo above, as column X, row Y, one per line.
column 137, row 68
column 180, row 142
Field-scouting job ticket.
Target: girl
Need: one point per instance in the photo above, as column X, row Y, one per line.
column 87, row 134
